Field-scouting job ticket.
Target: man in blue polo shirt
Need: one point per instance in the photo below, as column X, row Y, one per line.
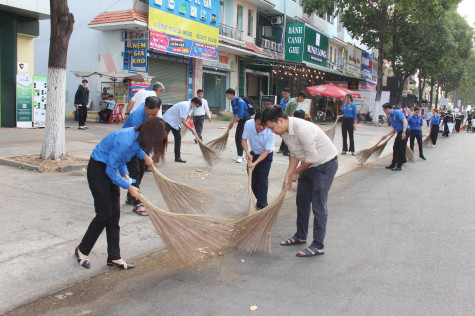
column 283, row 103
column 240, row 116
column 415, row 123
column 259, row 159
column 399, row 124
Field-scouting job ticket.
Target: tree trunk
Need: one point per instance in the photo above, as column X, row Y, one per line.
column 62, row 21
column 400, row 88
column 431, row 92
column 436, row 96
column 379, row 82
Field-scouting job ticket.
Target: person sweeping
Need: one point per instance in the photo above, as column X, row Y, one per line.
column 434, row 127
column 348, row 125
column 106, row 172
column 317, row 156
column 399, row 124
column 415, row 123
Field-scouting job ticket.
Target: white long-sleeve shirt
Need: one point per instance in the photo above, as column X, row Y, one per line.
column 202, row 109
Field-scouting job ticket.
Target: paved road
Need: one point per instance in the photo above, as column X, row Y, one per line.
column 398, row 243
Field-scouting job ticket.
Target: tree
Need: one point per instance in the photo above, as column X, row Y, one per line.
column 62, row 21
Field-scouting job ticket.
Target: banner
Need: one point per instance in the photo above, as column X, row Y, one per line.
column 138, row 60
column 135, row 86
column 305, row 105
column 39, row 101
column 353, row 60
column 24, row 101
column 185, row 27
column 367, row 66
column 304, row 44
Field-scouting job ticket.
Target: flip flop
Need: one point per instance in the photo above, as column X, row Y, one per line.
column 293, row 241
column 310, row 252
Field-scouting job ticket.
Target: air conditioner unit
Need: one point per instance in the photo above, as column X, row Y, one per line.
column 276, row 20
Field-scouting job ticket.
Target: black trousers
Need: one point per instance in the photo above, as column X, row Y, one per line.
column 312, row 193
column 399, row 150
column 177, row 136
column 108, row 114
column 417, row 134
column 238, row 136
column 136, row 167
column 284, row 148
column 457, row 125
column 446, row 130
column 260, row 179
column 198, row 122
column 107, row 205
column 434, row 133
column 347, row 129
column 82, row 115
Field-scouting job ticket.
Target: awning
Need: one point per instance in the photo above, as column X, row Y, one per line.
column 114, row 75
column 328, row 70
column 332, row 91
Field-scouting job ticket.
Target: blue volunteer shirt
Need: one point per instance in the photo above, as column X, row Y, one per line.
column 435, row 120
column 259, row 141
column 115, row 150
column 239, row 107
column 396, row 118
column 177, row 112
column 349, row 111
column 136, row 118
column 283, row 103
column 415, row 123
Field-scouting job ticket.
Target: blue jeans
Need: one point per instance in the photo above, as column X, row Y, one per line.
column 260, row 179
column 312, row 193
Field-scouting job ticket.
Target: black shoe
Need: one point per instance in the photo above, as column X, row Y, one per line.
column 83, row 262
column 287, row 153
column 390, row 166
column 196, row 142
column 180, row 160
column 396, row 168
column 129, row 200
column 422, row 157
column 123, row 266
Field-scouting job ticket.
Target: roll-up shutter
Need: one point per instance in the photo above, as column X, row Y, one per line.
column 173, row 76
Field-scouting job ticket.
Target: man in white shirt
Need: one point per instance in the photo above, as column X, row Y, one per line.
column 259, row 159
column 199, row 114
column 140, row 96
column 317, row 156
column 175, row 117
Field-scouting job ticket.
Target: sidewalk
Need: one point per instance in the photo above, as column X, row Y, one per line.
column 43, row 216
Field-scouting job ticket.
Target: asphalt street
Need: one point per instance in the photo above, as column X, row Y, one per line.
column 398, row 243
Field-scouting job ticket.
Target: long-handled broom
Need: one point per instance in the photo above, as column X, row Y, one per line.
column 427, row 141
column 181, row 198
column 252, row 206
column 410, row 154
column 372, row 153
column 188, row 237
column 219, row 144
column 183, row 131
column 331, row 131
column 253, row 232
column 210, row 155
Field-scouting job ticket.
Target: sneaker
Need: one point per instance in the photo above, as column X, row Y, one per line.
column 236, row 158
column 85, row 127
column 81, row 127
column 239, row 160
column 433, row 146
column 396, row 168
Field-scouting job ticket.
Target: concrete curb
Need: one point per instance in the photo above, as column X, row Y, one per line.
column 72, row 168
column 21, row 165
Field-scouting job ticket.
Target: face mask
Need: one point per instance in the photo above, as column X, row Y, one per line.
column 194, row 109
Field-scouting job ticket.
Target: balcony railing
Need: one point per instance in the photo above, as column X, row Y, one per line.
column 231, row 32
column 270, row 45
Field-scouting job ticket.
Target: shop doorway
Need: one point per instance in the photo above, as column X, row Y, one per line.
column 257, row 85
column 214, row 86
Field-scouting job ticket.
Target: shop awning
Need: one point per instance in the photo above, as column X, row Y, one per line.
column 114, row 75
column 330, row 90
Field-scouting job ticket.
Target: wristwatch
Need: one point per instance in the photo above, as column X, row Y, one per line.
column 127, row 113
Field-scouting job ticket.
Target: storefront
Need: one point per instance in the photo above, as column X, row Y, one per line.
column 216, row 79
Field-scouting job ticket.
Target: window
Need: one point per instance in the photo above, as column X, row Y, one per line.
column 239, row 17
column 331, row 53
column 250, row 23
column 221, row 12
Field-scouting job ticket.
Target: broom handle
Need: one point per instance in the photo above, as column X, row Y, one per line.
column 252, row 207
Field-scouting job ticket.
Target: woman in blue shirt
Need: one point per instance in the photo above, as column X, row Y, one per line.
column 434, row 126
column 348, row 126
column 414, row 124
column 108, row 157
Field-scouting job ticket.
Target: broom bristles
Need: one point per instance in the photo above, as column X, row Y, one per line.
column 210, row 155
column 181, row 198
column 372, row 153
column 427, row 141
column 331, row 131
column 253, row 232
column 219, row 144
column 252, row 206
column 183, row 131
column 409, row 154
column 189, row 238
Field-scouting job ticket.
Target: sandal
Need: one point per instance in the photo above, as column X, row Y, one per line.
column 84, row 262
column 123, row 266
column 310, row 252
column 293, row 241
column 141, row 212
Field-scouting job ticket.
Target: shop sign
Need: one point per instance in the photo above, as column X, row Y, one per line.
column 268, row 100
column 138, row 60
column 189, row 28
column 24, row 101
column 224, row 62
column 304, row 44
column 135, row 86
column 353, row 60
column 353, row 84
column 367, row 66
column 39, row 100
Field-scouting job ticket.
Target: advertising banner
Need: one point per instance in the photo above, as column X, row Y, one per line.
column 294, row 41
column 138, row 60
column 225, row 62
column 39, row 101
column 305, row 105
column 353, row 60
column 189, row 28
column 304, row 44
column 24, row 101
column 135, row 86
column 366, row 66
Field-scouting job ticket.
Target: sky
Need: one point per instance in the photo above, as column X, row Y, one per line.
column 466, row 9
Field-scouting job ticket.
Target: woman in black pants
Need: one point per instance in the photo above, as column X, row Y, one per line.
column 348, row 126
column 434, row 127
column 108, row 157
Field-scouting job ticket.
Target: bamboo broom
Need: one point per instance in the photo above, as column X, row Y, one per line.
column 188, row 237
column 373, row 152
column 331, row 131
column 252, row 206
column 181, row 198
column 253, row 232
column 219, row 144
column 427, row 141
column 210, row 155
column 183, row 131
column 409, row 154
